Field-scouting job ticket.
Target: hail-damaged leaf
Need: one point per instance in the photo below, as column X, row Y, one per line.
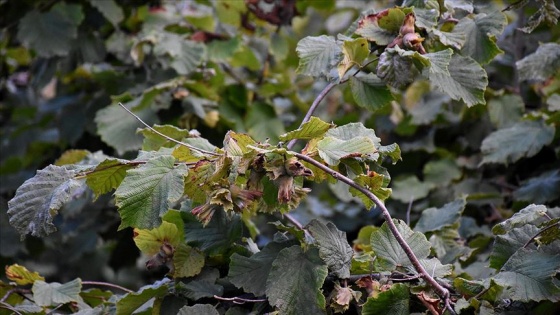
column 382, row 27
column 342, row 296
column 21, row 275
column 547, row 12
column 39, row 199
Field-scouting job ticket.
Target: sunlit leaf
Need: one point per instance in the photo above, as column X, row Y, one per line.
column 108, row 175
column 39, row 199
column 333, row 247
column 355, row 52
column 374, row 182
column 540, row 65
column 51, row 33
column 523, row 139
column 313, row 128
column 21, row 275
column 47, row 294
column 332, row 149
column 147, row 192
column 150, row 241
column 71, row 157
column 295, row 280
column 393, row 301
column 388, row 250
column 318, row 56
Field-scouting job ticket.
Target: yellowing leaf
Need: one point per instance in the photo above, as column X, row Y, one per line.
column 21, row 275
column 150, row 241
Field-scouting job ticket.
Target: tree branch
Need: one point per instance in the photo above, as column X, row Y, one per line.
column 529, row 241
column 164, row 136
column 311, row 110
column 440, row 290
column 105, row 284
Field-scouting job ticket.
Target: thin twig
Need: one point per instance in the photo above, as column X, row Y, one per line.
column 539, row 233
column 440, row 290
column 297, row 224
column 409, row 210
column 238, row 300
column 9, row 307
column 105, row 284
column 314, row 105
column 164, row 136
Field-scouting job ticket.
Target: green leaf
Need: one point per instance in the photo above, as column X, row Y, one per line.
column 51, row 33
column 153, row 141
column 348, row 141
column 201, row 286
column 524, row 139
column 39, row 199
column 434, row 219
column 198, row 309
column 279, row 46
column 466, row 80
column 480, row 34
column 218, row 236
column 393, row 301
column 132, row 301
column 381, row 27
column 529, row 276
column 314, row 128
column 221, row 51
column 409, row 188
column 183, row 55
column 388, row 250
column 110, row 10
column 435, row 267
column 107, row 176
column 250, row 273
column 506, row 110
column 370, row 92
column 187, row 261
column 318, row 56
column 506, row 245
column 295, row 280
column 441, row 172
column 374, row 182
column 333, row 247
column 355, row 52
column 541, row 189
column 47, row 294
column 71, row 157
column 262, row 122
column 525, row 216
column 118, row 129
column 455, row 38
column 540, row 65
column 147, row 192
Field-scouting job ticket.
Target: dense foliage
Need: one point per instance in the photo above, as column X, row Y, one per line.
column 299, row 157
